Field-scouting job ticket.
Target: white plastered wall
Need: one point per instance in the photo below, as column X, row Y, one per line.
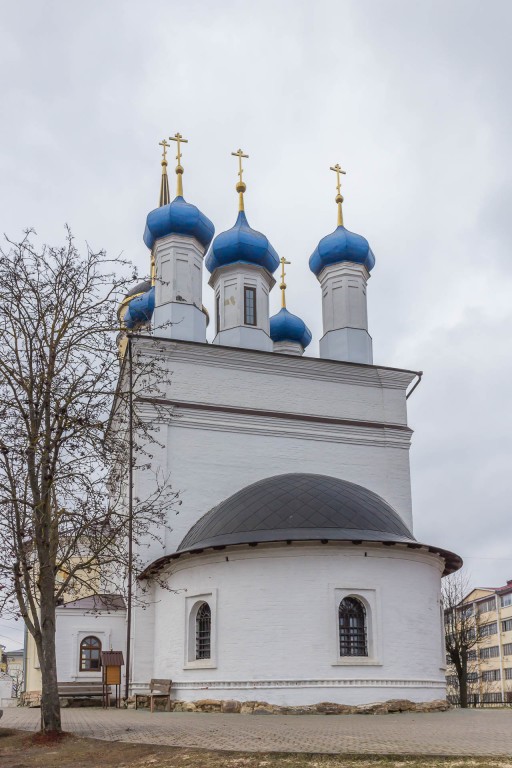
column 73, row 625
column 178, row 289
column 225, row 435
column 274, row 625
column 344, row 312
column 228, row 284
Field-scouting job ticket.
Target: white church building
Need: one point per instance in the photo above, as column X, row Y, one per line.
column 291, row 574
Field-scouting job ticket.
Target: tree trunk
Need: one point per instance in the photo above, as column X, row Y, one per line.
column 463, row 689
column 50, row 703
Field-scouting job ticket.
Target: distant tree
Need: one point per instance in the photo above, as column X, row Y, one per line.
column 460, row 630
column 65, row 465
column 17, row 682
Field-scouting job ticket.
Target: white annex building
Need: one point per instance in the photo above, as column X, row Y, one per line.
column 293, row 575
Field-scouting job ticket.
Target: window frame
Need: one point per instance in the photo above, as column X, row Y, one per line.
column 489, row 652
column 491, row 676
column 353, row 628
column 487, row 606
column 488, row 629
column 249, row 289
column 203, row 633
column 370, row 598
column 89, row 647
column 217, row 313
column 192, row 604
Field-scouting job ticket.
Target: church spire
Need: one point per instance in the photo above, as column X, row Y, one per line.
column 241, row 186
column 282, row 286
column 339, row 197
column 164, row 184
column 178, row 138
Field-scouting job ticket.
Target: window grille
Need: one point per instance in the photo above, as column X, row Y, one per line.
column 250, row 306
column 508, row 673
column 506, row 625
column 203, row 631
column 472, row 655
column 352, row 623
column 507, row 649
column 90, row 650
column 472, row 677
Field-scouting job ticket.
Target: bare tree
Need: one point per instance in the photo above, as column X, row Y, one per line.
column 67, row 518
column 17, row 682
column 460, row 631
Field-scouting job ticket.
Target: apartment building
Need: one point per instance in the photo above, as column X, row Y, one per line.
column 490, row 660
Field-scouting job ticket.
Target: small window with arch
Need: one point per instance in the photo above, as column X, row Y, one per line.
column 90, row 654
column 203, row 631
column 352, row 627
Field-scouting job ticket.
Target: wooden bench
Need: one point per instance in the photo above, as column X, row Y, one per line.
column 159, row 689
column 85, row 690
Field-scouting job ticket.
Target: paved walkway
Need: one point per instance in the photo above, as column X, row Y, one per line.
column 458, row 732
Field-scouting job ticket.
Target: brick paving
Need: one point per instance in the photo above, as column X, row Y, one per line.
column 458, row 732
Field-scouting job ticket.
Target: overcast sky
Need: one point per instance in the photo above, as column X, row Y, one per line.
column 412, row 98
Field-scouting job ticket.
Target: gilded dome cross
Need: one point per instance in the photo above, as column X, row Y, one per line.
column 283, row 284
column 165, row 146
column 339, row 197
column 178, row 138
column 240, row 187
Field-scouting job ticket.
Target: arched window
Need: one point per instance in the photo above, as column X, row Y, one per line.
column 90, row 649
column 203, row 631
column 352, row 621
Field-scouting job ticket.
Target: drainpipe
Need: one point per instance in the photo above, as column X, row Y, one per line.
column 419, row 375
column 130, row 519
column 497, row 598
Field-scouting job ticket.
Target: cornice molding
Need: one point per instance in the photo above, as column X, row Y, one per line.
column 256, row 361
column 312, row 683
column 278, row 424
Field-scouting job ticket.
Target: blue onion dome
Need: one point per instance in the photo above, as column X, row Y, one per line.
column 178, row 218
column 341, row 245
column 139, row 303
column 241, row 244
column 287, row 327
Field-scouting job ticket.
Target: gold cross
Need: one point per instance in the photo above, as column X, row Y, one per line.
column 283, row 284
column 165, row 146
column 178, row 138
column 338, row 170
column 339, row 197
column 240, row 154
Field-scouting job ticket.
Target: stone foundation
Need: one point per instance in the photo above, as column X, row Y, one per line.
column 30, row 699
column 263, row 708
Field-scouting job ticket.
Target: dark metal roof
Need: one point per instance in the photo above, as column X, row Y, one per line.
column 297, row 507
column 112, row 659
column 97, row 603
column 300, row 507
